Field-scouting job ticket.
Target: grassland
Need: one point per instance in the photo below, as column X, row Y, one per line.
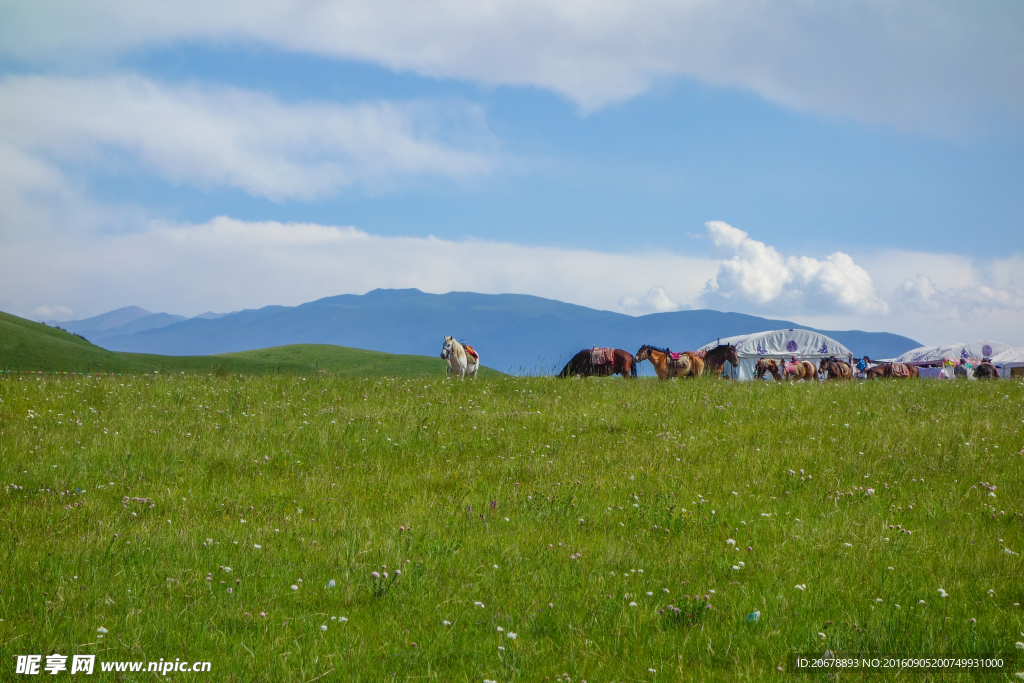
column 31, row 346
column 205, row 517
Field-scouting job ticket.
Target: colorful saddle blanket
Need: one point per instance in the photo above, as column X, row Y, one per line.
column 470, row 351
column 602, row 355
column 791, row 368
column 899, row 370
column 675, row 356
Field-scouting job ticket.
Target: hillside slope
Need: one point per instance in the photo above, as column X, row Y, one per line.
column 26, row 345
column 513, row 332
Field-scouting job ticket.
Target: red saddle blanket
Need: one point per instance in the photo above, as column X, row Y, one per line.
column 674, row 356
column 470, row 351
column 791, row 368
column 602, row 355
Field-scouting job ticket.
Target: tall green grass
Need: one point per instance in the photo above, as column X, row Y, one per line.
column 570, row 513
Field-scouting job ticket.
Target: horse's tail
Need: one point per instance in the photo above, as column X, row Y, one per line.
column 632, row 368
column 565, row 370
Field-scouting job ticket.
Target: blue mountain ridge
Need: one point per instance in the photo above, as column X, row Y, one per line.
column 514, row 333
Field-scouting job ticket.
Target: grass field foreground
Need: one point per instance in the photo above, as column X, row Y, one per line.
column 290, row 528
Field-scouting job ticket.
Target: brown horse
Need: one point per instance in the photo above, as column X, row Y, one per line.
column 892, row 371
column 715, row 358
column 801, row 369
column 668, row 367
column 581, row 366
column 766, row 365
column 835, row 368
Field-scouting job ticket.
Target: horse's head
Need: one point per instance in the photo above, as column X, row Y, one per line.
column 643, row 354
column 730, row 354
column 760, row 368
column 823, row 366
column 446, row 350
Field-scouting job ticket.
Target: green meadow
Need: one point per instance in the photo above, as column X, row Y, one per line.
column 33, row 347
column 301, row 527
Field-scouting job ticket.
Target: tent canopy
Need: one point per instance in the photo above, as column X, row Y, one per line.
column 1010, row 358
column 928, row 355
column 802, row 344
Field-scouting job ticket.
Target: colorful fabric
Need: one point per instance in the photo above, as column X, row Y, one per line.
column 602, row 355
column 791, row 368
column 470, row 351
column 674, row 356
column 899, row 370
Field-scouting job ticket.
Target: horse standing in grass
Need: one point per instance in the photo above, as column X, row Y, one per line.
column 461, row 362
column 835, row 368
column 581, row 365
column 668, row 365
column 892, row 371
column 797, row 370
column 714, row 359
column 986, row 370
column 766, row 365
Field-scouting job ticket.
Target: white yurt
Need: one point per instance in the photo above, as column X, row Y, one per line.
column 930, row 355
column 778, row 345
column 1010, row 363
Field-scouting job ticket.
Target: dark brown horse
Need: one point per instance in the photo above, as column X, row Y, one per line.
column 581, row 365
column 835, row 368
column 714, row 359
column 685, row 364
column 767, row 365
column 986, row 370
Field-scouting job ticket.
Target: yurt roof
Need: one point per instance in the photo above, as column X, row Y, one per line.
column 1010, row 357
column 795, row 342
column 936, row 354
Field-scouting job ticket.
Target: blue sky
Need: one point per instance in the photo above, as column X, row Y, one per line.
column 844, row 166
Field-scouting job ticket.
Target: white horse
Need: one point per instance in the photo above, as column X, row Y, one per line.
column 459, row 362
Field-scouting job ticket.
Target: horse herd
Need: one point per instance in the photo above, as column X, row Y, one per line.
column 464, row 361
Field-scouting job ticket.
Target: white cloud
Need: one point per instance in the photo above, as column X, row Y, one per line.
column 931, row 65
column 52, row 313
column 234, row 138
column 656, row 300
column 921, row 294
column 227, row 264
column 756, row 278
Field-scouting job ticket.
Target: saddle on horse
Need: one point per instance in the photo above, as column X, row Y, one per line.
column 602, row 355
column 791, row 368
column 470, row 351
column 899, row 370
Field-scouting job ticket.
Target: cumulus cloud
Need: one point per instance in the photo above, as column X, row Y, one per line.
column 916, row 63
column 921, row 294
column 656, row 300
column 228, row 264
column 233, row 138
column 757, row 278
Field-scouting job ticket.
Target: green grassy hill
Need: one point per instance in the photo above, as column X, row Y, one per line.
column 26, row 345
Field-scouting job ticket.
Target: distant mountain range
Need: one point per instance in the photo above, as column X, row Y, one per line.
column 513, row 332
column 127, row 320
